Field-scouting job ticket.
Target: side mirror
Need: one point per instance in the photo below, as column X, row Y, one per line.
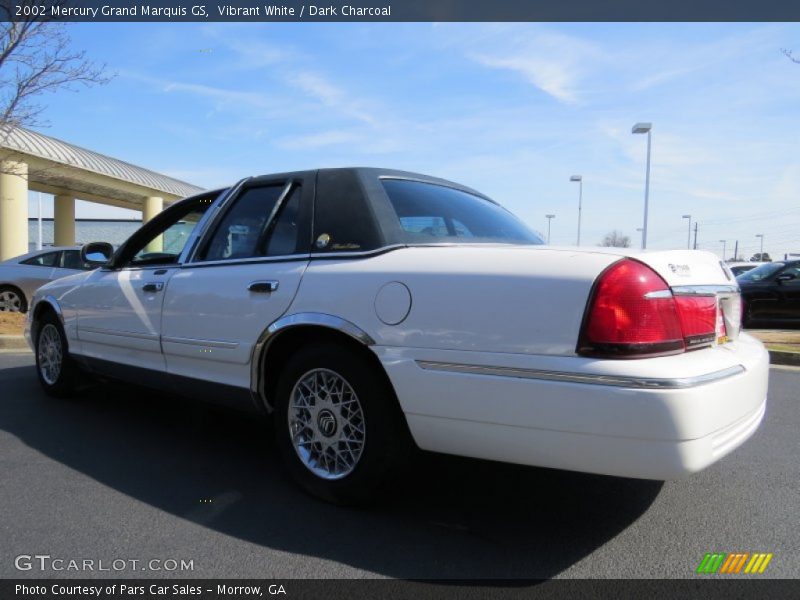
column 97, row 254
column 785, row 277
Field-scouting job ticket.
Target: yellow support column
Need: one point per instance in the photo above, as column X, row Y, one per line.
column 13, row 209
column 64, row 220
column 152, row 206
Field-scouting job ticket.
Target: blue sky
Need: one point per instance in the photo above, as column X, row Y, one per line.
column 510, row 109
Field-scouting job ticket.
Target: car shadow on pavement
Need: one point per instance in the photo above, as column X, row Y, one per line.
column 442, row 518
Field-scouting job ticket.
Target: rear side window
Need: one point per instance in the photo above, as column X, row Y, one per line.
column 431, row 213
column 49, row 259
column 257, row 226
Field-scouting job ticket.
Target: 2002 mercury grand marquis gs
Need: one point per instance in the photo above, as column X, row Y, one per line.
column 366, row 307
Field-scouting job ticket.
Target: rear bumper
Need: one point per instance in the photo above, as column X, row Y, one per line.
column 629, row 423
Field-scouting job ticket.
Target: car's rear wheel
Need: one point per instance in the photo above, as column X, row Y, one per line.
column 57, row 372
column 336, row 423
column 12, row 299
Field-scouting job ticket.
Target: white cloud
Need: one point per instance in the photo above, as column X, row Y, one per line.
column 552, row 61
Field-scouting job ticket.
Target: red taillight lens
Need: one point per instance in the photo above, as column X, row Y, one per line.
column 632, row 313
column 698, row 319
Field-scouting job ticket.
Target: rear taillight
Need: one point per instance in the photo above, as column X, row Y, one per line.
column 698, row 319
column 632, row 313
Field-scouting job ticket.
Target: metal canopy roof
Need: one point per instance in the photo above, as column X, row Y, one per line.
column 36, row 144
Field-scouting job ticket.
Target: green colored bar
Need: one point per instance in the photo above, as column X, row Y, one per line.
column 702, row 567
column 714, row 566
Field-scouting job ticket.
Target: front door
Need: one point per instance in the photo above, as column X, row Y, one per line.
column 119, row 320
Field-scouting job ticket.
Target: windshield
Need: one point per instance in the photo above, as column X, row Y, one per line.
column 431, row 213
column 761, row 273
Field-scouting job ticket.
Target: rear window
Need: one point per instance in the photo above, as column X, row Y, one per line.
column 49, row 259
column 431, row 213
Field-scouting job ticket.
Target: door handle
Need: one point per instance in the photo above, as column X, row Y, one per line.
column 263, row 287
column 155, row 286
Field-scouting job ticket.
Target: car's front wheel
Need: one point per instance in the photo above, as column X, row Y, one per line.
column 336, row 424
column 12, row 300
column 56, row 370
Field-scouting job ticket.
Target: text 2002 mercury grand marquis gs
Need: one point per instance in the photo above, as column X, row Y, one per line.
column 368, row 307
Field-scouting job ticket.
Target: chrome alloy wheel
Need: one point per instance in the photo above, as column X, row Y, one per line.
column 50, row 354
column 326, row 424
column 10, row 301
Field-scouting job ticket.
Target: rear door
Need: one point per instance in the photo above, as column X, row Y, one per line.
column 243, row 276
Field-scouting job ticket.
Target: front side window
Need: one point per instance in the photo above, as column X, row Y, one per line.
column 71, row 259
column 161, row 240
column 166, row 247
column 49, row 259
column 256, row 225
column 432, row 213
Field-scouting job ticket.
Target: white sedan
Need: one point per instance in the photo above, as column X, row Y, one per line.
column 371, row 308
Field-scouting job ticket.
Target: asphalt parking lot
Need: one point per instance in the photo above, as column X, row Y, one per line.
column 123, row 473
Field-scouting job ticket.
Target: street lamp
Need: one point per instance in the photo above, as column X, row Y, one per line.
column 549, row 217
column 724, row 245
column 640, row 230
column 579, row 179
column 761, row 250
column 645, row 128
column 689, row 235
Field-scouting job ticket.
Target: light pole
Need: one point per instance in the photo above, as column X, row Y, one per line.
column 579, row 179
column 549, row 218
column 640, row 230
column 724, row 246
column 761, row 250
column 645, row 128
column 689, row 235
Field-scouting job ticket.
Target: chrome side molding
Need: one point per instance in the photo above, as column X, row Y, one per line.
column 588, row 378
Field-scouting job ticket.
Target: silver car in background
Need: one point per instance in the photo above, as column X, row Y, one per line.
column 22, row 275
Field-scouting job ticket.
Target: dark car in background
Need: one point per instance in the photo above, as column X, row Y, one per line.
column 771, row 294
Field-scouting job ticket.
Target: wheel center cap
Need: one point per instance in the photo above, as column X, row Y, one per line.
column 326, row 423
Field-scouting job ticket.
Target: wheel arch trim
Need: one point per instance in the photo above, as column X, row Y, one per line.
column 293, row 321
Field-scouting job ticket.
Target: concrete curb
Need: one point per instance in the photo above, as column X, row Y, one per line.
column 13, row 342
column 776, row 357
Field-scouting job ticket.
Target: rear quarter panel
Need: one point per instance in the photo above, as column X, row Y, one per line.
column 490, row 299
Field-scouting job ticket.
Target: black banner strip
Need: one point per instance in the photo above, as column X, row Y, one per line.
column 402, row 10
column 731, row 588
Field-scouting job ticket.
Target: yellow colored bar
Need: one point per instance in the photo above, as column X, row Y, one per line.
column 765, row 563
column 754, row 563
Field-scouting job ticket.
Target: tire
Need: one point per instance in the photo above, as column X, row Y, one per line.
column 309, row 429
column 57, row 372
column 12, row 299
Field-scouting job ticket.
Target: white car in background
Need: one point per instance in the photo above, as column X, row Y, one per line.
column 21, row 275
column 365, row 308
